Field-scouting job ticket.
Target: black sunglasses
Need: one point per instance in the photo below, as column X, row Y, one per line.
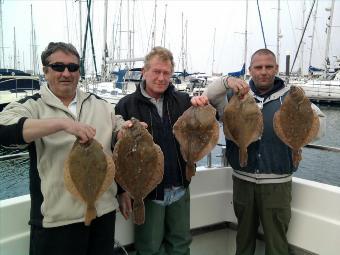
column 59, row 67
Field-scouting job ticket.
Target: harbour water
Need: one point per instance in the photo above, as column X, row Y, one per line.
column 316, row 165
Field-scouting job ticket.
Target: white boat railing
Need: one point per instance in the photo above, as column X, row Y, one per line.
column 315, row 222
column 328, row 91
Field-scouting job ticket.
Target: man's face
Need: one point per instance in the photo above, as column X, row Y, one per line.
column 157, row 76
column 263, row 70
column 62, row 84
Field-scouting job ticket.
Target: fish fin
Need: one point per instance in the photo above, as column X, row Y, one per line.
column 243, row 156
column 91, row 214
column 278, row 128
column 69, row 184
column 109, row 177
column 296, row 157
column 313, row 132
column 190, row 170
column 138, row 212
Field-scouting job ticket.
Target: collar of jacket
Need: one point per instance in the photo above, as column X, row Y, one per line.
column 278, row 84
column 52, row 100
column 279, row 90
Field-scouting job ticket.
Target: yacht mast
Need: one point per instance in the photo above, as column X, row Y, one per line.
column 67, row 26
column 183, row 51
column 128, row 31
column 33, row 46
column 105, row 50
column 133, row 33
column 302, row 32
column 329, row 29
column 14, row 52
column 2, row 58
column 213, row 56
column 155, row 26
column 313, row 33
column 245, row 39
column 119, row 48
column 186, row 45
column 164, row 27
column 278, row 36
column 80, row 30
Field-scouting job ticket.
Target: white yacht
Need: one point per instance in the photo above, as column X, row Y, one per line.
column 16, row 84
column 321, row 90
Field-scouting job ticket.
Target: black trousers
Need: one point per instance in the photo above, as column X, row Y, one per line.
column 75, row 239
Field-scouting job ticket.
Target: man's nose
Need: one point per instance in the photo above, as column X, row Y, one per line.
column 66, row 72
column 263, row 70
column 161, row 76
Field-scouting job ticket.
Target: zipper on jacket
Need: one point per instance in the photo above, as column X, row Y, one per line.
column 175, row 142
column 81, row 106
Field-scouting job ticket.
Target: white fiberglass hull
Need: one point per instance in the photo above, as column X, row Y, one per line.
column 315, row 224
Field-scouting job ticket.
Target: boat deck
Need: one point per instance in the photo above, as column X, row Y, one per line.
column 220, row 241
column 315, row 223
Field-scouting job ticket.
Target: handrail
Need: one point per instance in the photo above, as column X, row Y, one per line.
column 223, row 159
column 19, row 78
column 13, row 156
column 321, row 147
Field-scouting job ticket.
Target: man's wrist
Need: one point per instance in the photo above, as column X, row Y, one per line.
column 225, row 82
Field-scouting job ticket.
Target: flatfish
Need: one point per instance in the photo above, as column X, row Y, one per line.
column 88, row 173
column 140, row 166
column 296, row 123
column 197, row 132
column 242, row 123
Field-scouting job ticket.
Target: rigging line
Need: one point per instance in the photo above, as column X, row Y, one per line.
column 304, row 30
column 264, row 39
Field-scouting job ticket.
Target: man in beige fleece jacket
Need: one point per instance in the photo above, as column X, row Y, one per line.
column 48, row 123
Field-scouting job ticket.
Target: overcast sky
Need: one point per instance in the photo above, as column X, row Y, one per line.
column 228, row 18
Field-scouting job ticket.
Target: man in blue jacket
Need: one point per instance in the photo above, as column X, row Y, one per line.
column 262, row 189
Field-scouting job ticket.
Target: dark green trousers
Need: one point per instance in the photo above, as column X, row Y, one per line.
column 268, row 203
column 166, row 229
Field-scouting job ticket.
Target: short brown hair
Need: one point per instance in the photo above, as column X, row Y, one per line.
column 52, row 47
column 261, row 52
column 161, row 52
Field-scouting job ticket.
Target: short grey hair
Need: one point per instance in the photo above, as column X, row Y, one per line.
column 52, row 47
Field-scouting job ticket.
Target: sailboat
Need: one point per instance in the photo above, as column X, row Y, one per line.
column 324, row 84
column 16, row 84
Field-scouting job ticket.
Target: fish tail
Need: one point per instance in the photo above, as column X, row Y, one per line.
column 138, row 212
column 243, row 157
column 190, row 170
column 91, row 213
column 296, row 157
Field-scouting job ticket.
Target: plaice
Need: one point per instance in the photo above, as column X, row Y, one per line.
column 88, row 173
column 197, row 132
column 296, row 123
column 242, row 123
column 140, row 166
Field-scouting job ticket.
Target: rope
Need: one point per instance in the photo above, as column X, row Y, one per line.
column 264, row 39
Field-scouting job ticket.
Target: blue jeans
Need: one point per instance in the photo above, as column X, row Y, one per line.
column 171, row 195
